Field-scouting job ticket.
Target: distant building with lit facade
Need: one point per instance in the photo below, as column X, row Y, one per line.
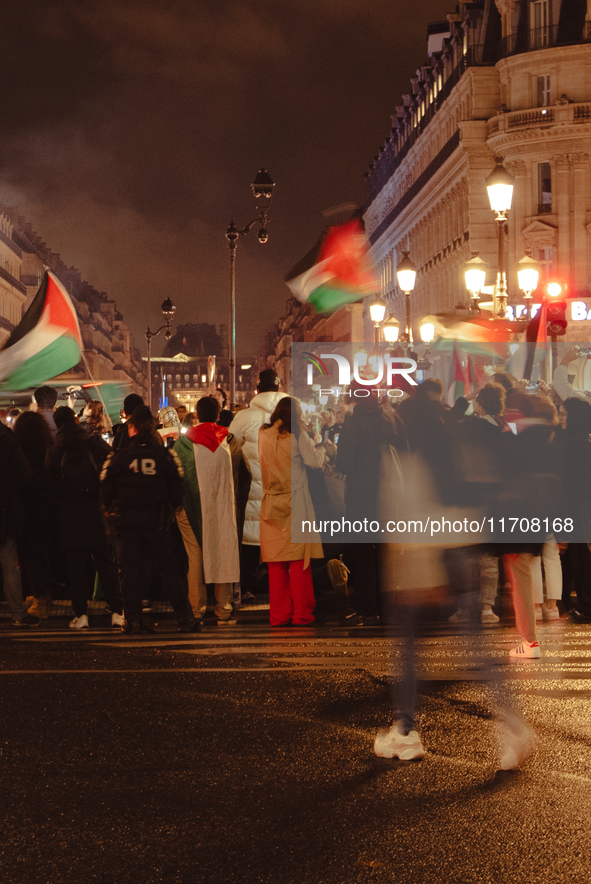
column 183, row 380
column 506, row 78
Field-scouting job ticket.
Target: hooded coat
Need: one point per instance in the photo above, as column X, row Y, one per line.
column 80, row 520
column 245, row 428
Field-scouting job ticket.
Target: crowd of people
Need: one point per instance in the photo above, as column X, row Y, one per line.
column 210, row 498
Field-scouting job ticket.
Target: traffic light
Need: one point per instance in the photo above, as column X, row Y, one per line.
column 556, row 309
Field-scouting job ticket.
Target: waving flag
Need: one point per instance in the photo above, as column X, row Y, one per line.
column 46, row 341
column 337, row 271
column 457, row 381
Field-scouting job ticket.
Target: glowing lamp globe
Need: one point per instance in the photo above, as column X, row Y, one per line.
column 391, row 331
column 377, row 310
column 475, row 275
column 499, row 185
column 406, row 274
column 528, row 274
column 427, row 331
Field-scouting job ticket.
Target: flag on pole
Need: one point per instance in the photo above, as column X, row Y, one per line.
column 46, row 341
column 337, row 271
column 457, row 381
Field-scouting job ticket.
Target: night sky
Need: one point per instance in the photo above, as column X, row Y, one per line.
column 132, row 129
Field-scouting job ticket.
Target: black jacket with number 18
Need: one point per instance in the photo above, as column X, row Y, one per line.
column 141, row 486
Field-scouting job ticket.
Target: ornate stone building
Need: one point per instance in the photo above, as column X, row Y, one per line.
column 507, row 78
column 301, row 323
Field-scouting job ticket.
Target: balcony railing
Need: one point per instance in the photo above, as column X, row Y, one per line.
column 538, row 116
column 564, row 34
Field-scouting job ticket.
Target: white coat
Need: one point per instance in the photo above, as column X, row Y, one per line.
column 245, row 428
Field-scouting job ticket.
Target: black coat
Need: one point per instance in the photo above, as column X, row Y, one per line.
column 364, row 436
column 80, row 521
column 142, row 485
column 15, row 479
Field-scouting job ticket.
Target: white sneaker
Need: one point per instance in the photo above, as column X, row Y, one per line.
column 79, row 622
column 516, row 741
column 550, row 613
column 395, row 744
column 527, row 651
column 117, row 620
column 459, row 617
column 489, row 618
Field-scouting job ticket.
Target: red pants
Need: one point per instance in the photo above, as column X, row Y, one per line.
column 291, row 593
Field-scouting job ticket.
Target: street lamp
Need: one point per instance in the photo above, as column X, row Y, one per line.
column 167, row 308
column 377, row 309
column 262, row 190
column 528, row 273
column 427, row 332
column 391, row 330
column 499, row 185
column 406, row 274
column 475, row 276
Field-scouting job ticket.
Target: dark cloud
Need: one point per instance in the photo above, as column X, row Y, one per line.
column 131, row 132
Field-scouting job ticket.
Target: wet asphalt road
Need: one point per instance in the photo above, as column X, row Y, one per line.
column 246, row 755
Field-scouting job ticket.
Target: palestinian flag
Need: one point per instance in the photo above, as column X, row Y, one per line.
column 46, row 341
column 337, row 271
column 457, row 381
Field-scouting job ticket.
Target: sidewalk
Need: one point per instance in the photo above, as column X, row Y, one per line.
column 62, row 609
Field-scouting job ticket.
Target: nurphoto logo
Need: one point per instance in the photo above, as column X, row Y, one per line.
column 384, row 368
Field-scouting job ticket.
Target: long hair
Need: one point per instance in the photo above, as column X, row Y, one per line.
column 96, row 420
column 283, row 413
column 33, row 434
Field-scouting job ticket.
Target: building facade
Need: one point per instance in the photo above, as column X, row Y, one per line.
column 300, row 323
column 508, row 79
column 182, row 379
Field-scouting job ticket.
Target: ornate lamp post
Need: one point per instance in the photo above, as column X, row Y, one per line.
column 499, row 185
column 168, row 309
column 262, row 189
column 406, row 274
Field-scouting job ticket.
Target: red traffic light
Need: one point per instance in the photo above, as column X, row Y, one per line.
column 556, row 313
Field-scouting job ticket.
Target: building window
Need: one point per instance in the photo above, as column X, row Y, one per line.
column 544, row 189
column 543, row 91
column 539, row 23
column 546, row 260
column 195, row 379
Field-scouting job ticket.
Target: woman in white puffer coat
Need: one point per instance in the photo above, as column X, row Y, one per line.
column 245, row 428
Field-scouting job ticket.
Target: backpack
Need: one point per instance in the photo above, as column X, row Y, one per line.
column 79, row 472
